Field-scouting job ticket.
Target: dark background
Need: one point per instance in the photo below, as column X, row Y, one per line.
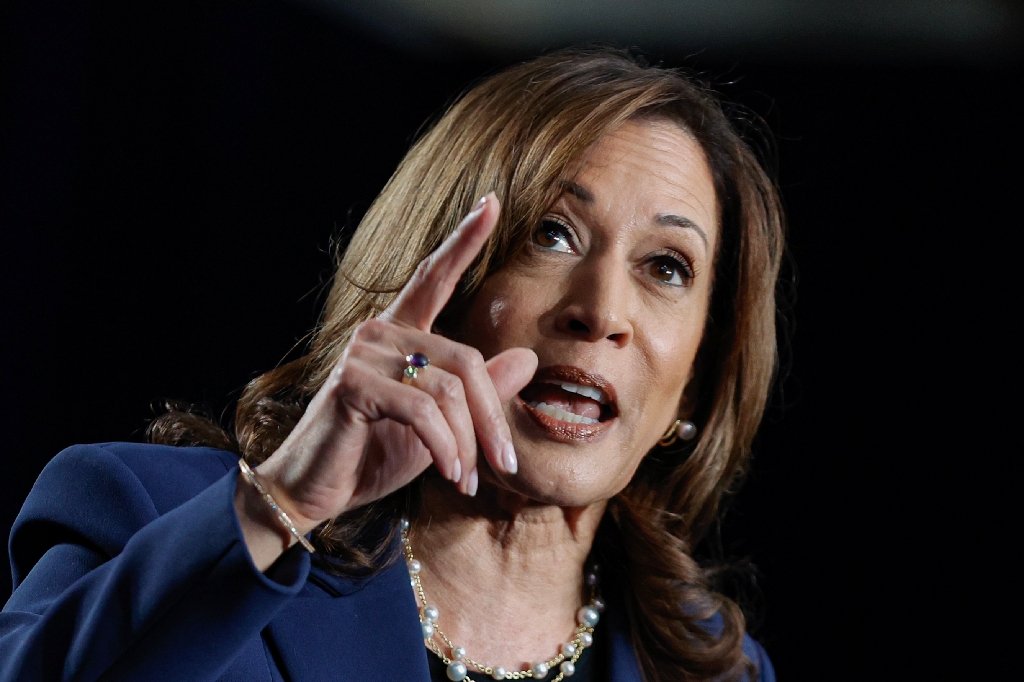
column 173, row 175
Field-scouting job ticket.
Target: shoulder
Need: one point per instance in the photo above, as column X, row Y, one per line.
column 169, row 475
column 751, row 648
column 102, row 494
column 759, row 657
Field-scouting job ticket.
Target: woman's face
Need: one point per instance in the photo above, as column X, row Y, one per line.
column 611, row 294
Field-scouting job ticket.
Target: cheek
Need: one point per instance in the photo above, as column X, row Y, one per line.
column 497, row 314
column 673, row 349
column 501, row 316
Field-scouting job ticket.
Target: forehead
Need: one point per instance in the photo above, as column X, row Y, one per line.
column 651, row 166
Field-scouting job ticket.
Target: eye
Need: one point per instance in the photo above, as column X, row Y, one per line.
column 554, row 236
column 671, row 271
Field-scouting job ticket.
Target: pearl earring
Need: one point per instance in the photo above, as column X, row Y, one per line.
column 681, row 429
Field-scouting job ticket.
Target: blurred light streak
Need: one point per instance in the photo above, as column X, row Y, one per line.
column 863, row 30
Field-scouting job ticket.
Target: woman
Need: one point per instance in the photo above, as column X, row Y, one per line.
column 504, row 401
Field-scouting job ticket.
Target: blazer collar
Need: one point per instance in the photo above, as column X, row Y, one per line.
column 341, row 629
column 622, row 663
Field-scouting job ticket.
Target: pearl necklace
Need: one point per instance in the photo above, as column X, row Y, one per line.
column 459, row 663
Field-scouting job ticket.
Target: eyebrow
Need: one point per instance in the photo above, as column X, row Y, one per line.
column 666, row 219
column 680, row 221
column 578, row 191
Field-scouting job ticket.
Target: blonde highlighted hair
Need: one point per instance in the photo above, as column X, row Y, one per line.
column 518, row 134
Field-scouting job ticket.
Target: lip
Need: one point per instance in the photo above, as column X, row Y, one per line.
column 564, row 431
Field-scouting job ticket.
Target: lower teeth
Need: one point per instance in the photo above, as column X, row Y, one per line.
column 561, row 415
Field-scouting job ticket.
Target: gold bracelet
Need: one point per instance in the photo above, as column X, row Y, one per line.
column 250, row 476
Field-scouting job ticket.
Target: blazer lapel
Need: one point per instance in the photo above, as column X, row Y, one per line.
column 339, row 629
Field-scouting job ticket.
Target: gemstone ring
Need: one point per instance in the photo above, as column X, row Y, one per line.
column 417, row 361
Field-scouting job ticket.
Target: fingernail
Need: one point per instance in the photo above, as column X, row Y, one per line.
column 475, row 213
column 478, row 208
column 457, row 471
column 474, row 481
column 508, row 457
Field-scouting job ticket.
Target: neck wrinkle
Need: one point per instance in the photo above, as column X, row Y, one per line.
column 507, row 575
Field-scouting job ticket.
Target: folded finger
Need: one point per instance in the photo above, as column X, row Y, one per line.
column 448, row 392
column 481, row 399
column 511, row 370
column 380, row 397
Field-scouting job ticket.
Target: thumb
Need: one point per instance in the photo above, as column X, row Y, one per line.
column 511, row 370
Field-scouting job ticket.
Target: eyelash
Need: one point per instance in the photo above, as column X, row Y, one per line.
column 674, row 259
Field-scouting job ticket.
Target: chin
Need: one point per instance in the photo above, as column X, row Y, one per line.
column 564, row 476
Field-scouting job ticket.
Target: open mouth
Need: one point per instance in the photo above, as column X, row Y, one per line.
column 567, row 399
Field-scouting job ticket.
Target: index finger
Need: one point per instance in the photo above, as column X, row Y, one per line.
column 437, row 275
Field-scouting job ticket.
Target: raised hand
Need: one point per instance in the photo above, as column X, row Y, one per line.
column 366, row 433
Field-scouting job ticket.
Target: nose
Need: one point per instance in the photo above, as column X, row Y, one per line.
column 596, row 304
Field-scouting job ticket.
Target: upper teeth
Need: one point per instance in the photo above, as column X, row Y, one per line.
column 585, row 391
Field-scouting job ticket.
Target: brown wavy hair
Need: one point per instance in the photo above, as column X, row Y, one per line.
column 518, row 133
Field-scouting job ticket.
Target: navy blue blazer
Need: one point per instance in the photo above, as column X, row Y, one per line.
column 129, row 564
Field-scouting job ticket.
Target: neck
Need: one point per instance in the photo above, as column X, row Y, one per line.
column 506, row 574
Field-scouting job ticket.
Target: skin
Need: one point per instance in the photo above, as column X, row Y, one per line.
column 596, row 290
